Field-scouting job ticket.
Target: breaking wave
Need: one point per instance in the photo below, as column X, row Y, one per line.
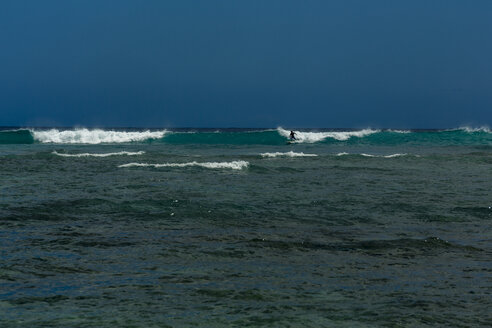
column 279, row 136
column 311, row 137
column 287, row 154
column 128, row 153
column 484, row 129
column 96, row 136
column 370, row 155
column 235, row 165
column 399, row 131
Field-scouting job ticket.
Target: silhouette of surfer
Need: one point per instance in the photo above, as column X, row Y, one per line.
column 292, row 135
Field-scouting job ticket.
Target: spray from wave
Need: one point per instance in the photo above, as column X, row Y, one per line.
column 311, row 137
column 96, row 136
column 484, row 129
column 235, row 165
column 128, row 153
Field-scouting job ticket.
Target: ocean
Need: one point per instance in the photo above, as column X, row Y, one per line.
column 238, row 228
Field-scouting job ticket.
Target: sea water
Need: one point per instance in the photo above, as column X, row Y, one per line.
column 237, row 228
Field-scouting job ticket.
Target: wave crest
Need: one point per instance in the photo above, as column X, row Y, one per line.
column 128, row 153
column 96, row 136
column 235, row 165
column 311, row 137
column 370, row 155
column 468, row 129
column 287, row 154
column 399, row 131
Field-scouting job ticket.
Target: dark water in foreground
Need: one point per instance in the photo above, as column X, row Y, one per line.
column 371, row 232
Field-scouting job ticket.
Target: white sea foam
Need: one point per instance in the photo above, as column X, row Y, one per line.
column 468, row 129
column 287, row 154
column 383, row 156
column 395, row 155
column 310, row 137
column 128, row 153
column 96, row 136
column 370, row 155
column 235, row 165
column 400, row 131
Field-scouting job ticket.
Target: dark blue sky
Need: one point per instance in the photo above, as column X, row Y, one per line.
column 251, row 63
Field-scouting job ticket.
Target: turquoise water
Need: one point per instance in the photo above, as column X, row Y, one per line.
column 236, row 228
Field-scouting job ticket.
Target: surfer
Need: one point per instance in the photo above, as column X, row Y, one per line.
column 292, row 135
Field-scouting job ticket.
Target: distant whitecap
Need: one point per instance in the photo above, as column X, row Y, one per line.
column 287, row 154
column 128, row 153
column 371, row 155
column 235, row 165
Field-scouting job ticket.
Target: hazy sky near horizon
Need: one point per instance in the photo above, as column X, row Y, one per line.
column 254, row 63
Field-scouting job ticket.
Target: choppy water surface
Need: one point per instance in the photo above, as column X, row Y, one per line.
column 238, row 229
